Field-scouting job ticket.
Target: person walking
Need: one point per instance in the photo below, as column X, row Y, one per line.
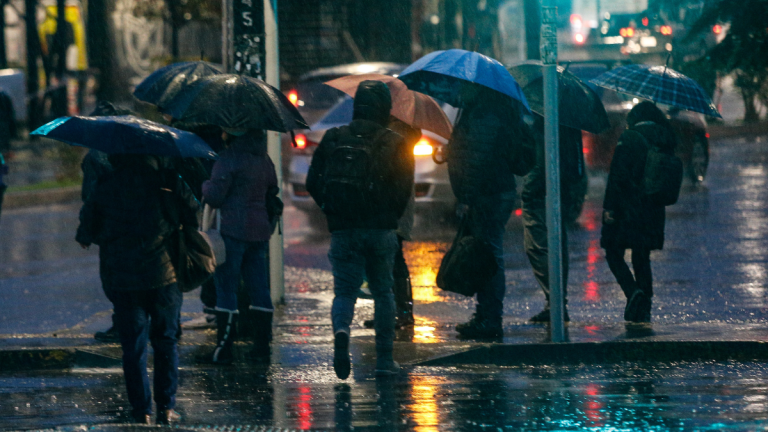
column 362, row 177
column 630, row 219
column 7, row 133
column 402, row 288
column 490, row 144
column 534, row 196
column 241, row 179
column 127, row 217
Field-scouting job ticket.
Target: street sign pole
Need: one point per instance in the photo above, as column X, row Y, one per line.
column 552, row 167
column 249, row 33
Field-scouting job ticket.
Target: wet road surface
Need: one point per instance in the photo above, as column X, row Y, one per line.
column 709, row 282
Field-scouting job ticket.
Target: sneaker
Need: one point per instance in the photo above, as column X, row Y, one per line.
column 644, row 314
column 341, row 364
column 634, row 310
column 462, row 327
column 484, row 328
column 401, row 321
column 110, row 335
column 389, row 368
column 544, row 317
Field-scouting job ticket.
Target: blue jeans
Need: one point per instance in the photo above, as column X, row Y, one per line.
column 152, row 314
column 354, row 254
column 249, row 260
column 488, row 217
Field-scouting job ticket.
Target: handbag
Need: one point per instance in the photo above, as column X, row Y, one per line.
column 191, row 254
column 213, row 235
column 468, row 264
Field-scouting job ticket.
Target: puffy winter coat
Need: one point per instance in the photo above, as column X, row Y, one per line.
column 638, row 222
column 126, row 218
column 238, row 186
column 480, row 152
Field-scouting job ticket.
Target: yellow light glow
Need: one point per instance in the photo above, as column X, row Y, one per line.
column 424, row 411
column 422, row 148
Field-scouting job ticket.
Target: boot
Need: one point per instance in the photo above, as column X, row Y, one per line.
column 385, row 365
column 168, row 417
column 260, row 322
column 480, row 327
column 634, row 310
column 226, row 323
column 403, row 302
column 341, row 363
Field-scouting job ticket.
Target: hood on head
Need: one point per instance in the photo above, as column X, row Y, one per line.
column 646, row 111
column 373, row 102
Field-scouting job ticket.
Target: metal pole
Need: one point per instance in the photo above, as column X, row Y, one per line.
column 272, row 77
column 552, row 167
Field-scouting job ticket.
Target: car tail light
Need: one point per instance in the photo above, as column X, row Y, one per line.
column 578, row 38
column 423, row 147
column 627, row 32
column 293, row 96
column 666, row 30
column 717, row 29
column 706, row 135
column 645, row 21
column 576, row 21
column 301, row 141
column 519, row 212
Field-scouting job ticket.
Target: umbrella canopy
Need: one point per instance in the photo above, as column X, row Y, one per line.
column 236, row 101
column 658, row 84
column 442, row 74
column 579, row 106
column 415, row 109
column 125, row 135
column 165, row 83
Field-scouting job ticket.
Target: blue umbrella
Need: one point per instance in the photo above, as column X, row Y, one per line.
column 165, row 83
column 125, row 135
column 658, row 84
column 442, row 74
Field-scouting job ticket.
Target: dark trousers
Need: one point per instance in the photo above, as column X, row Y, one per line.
column 154, row 315
column 641, row 263
column 2, row 194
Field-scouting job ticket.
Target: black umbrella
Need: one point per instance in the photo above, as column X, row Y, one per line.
column 579, row 106
column 125, row 135
column 165, row 83
column 236, row 101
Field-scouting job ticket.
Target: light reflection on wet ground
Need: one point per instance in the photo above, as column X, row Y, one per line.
column 627, row 396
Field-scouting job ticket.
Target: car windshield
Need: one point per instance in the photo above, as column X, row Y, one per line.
column 316, row 95
column 341, row 114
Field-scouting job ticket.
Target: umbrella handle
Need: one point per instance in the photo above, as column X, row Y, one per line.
column 443, row 156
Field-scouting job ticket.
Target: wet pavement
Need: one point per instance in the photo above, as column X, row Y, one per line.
column 709, row 286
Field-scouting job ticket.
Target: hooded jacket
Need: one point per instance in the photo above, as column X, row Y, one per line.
column 638, row 222
column 370, row 115
column 238, row 186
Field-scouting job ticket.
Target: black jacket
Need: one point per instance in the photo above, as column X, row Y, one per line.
column 395, row 161
column 481, row 151
column 638, row 223
column 126, row 218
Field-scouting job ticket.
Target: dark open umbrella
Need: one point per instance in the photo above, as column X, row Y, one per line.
column 579, row 106
column 236, row 101
column 658, row 84
column 165, row 83
column 125, row 135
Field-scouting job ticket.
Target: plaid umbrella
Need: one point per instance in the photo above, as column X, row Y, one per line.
column 658, row 84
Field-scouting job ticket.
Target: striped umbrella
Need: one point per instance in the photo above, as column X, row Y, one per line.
column 658, row 84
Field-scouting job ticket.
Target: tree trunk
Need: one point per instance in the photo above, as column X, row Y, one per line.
column 3, row 53
column 532, row 10
column 100, row 52
column 30, row 8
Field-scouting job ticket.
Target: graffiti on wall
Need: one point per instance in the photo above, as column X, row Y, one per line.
column 140, row 40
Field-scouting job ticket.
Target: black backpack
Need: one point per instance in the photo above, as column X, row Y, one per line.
column 662, row 176
column 352, row 180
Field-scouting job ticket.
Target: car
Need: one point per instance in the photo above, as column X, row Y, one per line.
column 313, row 98
column 432, row 187
column 690, row 128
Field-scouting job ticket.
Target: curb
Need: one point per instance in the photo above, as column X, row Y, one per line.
column 603, row 352
column 41, row 197
column 717, row 131
column 53, row 358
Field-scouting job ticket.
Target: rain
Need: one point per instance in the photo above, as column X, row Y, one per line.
column 694, row 360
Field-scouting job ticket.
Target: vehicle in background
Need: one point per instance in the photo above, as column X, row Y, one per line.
column 433, row 189
column 690, row 128
column 313, row 98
